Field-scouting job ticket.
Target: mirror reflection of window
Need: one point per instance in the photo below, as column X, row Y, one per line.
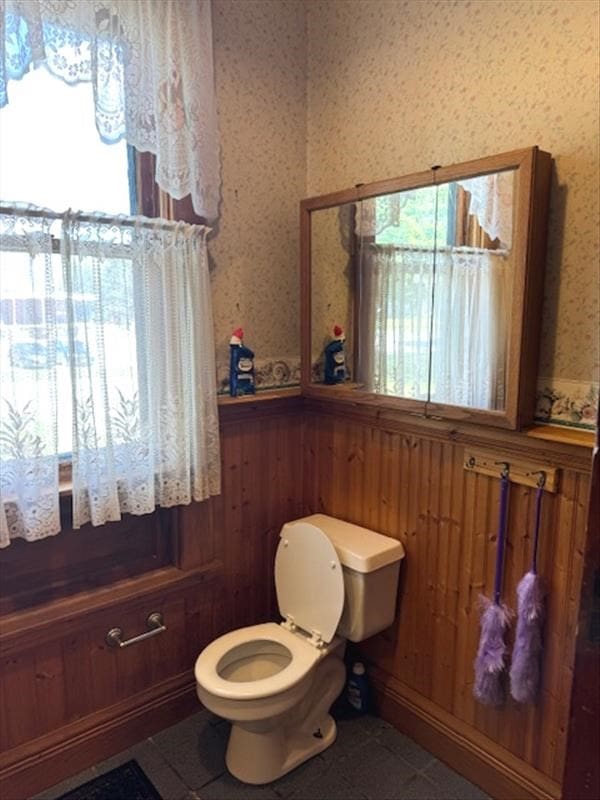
column 434, row 278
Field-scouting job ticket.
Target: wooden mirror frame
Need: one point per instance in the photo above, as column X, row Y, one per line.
column 532, row 185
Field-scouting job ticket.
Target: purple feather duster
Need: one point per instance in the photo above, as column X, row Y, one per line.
column 495, row 619
column 490, row 663
column 525, row 667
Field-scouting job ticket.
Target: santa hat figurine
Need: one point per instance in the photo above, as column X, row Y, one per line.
column 335, row 360
column 241, row 366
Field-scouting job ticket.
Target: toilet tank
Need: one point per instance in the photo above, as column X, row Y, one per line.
column 371, row 565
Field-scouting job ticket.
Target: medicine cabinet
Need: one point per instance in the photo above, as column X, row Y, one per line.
column 437, row 280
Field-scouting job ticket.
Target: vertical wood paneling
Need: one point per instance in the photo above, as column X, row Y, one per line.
column 75, row 675
column 415, row 489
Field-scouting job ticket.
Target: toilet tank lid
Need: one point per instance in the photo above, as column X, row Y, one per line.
column 358, row 548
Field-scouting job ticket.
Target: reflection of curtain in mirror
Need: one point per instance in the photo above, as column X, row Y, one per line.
column 395, row 320
column 467, row 230
column 491, row 202
column 469, row 324
column 469, row 328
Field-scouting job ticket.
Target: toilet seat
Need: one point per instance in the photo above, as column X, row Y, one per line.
column 309, row 580
column 303, row 657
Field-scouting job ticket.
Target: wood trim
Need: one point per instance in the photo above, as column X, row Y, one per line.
column 305, row 297
column 551, row 452
column 37, row 626
column 330, row 200
column 473, row 755
column 533, row 289
column 354, row 393
column 564, row 435
column 582, row 769
column 262, row 404
column 524, row 472
column 45, row 761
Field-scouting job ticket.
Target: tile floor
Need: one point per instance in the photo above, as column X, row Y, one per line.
column 370, row 760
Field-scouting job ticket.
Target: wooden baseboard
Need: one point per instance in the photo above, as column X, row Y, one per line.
column 497, row 772
column 43, row 762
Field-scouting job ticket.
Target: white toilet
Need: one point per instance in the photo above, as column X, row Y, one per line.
column 277, row 682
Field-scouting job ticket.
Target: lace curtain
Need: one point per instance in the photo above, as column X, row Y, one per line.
column 110, row 350
column 464, row 319
column 469, row 328
column 492, row 203
column 151, row 65
column 29, row 410
column 395, row 318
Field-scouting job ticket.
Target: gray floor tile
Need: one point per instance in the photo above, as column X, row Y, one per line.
column 351, row 734
column 369, row 761
column 195, row 749
column 453, row 785
column 65, row 786
column 372, row 725
column 195, row 722
column 419, row 788
column 330, row 785
column 406, row 748
column 226, row 787
column 374, row 771
column 300, row 777
column 166, row 781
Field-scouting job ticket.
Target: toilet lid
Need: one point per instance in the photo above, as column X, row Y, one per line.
column 309, row 580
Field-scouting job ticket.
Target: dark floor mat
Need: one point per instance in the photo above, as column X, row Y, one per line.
column 127, row 782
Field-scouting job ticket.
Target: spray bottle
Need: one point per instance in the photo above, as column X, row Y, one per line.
column 241, row 366
column 335, row 360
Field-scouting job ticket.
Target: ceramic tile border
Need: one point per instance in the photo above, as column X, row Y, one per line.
column 563, row 402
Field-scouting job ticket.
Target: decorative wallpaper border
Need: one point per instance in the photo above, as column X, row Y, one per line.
column 558, row 402
column 270, row 373
column 571, row 403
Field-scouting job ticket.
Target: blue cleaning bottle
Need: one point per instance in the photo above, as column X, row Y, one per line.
column 357, row 689
column 335, row 360
column 241, row 366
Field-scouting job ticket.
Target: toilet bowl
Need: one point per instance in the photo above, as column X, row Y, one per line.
column 266, row 679
column 276, row 682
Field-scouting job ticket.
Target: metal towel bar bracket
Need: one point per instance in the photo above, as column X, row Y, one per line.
column 114, row 638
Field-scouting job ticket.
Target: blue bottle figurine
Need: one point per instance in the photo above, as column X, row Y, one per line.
column 241, row 366
column 335, row 360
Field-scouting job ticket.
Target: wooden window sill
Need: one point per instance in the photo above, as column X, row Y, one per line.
column 564, row 435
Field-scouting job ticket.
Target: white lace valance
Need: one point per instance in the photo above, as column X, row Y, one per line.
column 151, row 65
column 492, row 204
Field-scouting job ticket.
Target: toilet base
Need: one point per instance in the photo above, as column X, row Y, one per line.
column 263, row 757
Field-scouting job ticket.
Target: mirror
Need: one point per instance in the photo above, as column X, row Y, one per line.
column 431, row 278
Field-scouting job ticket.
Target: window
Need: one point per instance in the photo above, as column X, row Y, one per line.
column 60, row 166
column 107, row 341
column 65, row 164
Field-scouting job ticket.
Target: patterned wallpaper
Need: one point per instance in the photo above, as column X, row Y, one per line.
column 317, row 95
column 260, row 68
column 395, row 86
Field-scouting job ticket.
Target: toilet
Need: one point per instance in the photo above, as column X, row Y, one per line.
column 275, row 682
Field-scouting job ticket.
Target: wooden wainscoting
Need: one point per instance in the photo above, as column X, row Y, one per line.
column 69, row 700
column 405, row 477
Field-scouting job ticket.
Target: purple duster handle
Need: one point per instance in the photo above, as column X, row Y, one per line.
column 538, row 519
column 501, row 536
